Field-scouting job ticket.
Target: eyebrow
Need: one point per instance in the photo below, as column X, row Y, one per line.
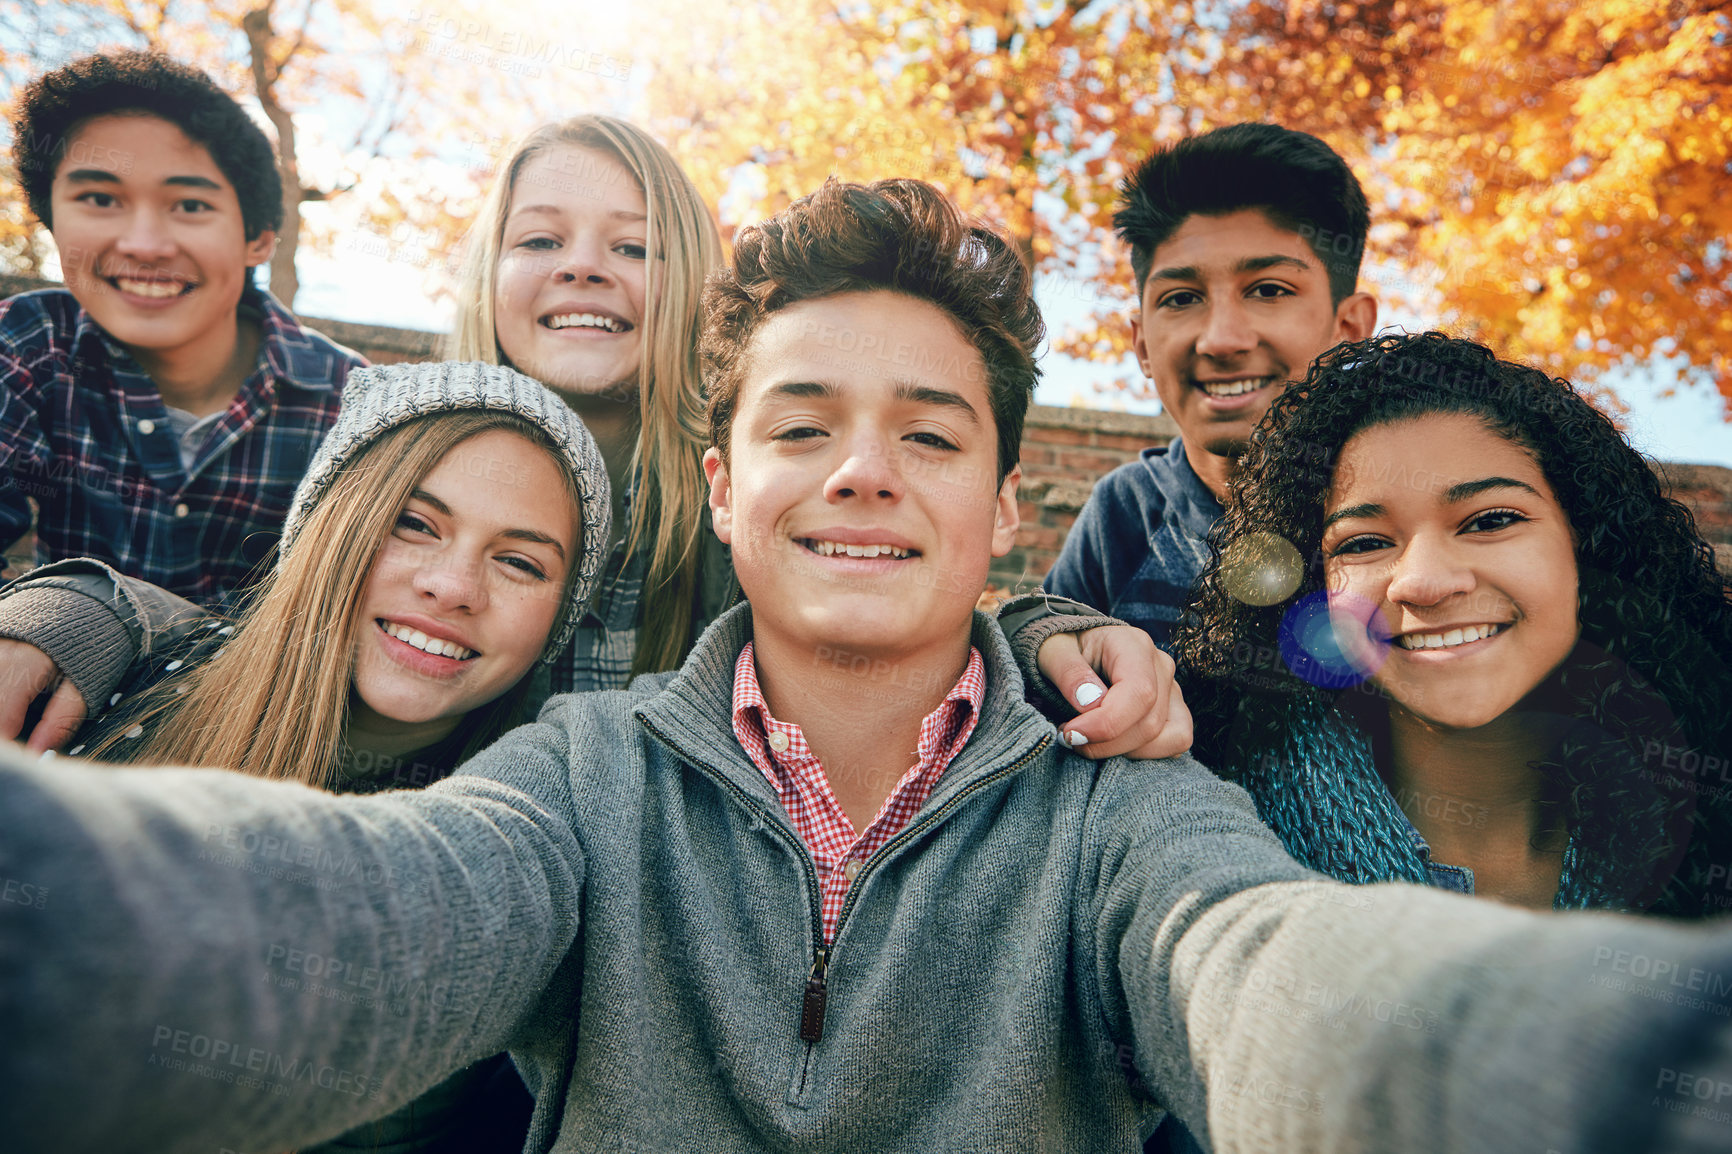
column 1367, row 510
column 927, row 395
column 1249, row 264
column 1451, row 495
column 103, row 176
column 535, row 535
column 1468, row 489
column 556, row 210
column 905, row 391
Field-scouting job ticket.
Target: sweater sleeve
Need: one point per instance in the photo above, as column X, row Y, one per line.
column 193, row 960
column 1275, row 1013
column 93, row 621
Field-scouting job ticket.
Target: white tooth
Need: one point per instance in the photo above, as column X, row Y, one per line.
column 870, row 551
column 856, row 551
column 418, row 639
column 1453, row 637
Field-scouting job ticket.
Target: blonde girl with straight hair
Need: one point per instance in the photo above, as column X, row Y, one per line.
column 585, row 270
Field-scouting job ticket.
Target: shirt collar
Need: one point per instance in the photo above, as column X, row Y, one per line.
column 943, row 732
column 287, row 349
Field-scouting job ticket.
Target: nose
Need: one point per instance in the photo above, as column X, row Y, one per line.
column 1227, row 331
column 1428, row 571
column 451, row 582
column 583, row 260
column 866, row 471
column 146, row 237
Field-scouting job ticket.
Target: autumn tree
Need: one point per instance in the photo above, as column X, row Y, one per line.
column 1545, row 174
column 383, row 86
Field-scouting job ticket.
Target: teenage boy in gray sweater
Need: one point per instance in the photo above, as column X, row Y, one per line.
column 833, row 886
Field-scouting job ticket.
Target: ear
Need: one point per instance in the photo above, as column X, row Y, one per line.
column 261, row 248
column 1139, row 343
column 1007, row 519
column 721, row 495
column 1356, row 318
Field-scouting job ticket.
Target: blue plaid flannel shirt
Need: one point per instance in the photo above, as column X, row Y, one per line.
column 85, row 435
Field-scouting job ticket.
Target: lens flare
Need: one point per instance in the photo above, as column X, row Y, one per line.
column 1261, row 569
column 1333, row 644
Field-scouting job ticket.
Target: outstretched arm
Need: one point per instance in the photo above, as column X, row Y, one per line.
column 1310, row 1015
column 192, row 960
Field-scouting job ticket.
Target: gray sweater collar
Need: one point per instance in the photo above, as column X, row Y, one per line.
column 693, row 714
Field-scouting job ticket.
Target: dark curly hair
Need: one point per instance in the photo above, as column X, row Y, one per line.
column 1293, row 178
column 900, row 235
column 56, row 104
column 1649, row 684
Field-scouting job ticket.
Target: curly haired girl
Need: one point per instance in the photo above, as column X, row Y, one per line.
column 1455, row 633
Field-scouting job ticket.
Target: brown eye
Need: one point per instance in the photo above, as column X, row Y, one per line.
column 1494, row 519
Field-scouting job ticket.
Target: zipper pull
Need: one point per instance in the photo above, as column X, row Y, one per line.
column 812, row 1005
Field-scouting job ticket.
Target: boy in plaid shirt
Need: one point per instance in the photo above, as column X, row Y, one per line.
column 160, row 409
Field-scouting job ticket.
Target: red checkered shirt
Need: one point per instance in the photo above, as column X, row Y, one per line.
column 804, row 788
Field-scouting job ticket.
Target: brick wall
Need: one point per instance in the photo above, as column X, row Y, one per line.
column 1064, row 451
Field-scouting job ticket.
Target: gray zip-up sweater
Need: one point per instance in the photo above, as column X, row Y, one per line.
column 210, row 961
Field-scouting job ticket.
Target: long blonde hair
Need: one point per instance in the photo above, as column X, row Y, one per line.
column 274, row 701
column 668, row 510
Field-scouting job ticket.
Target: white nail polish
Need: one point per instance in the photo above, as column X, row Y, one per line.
column 1089, row 694
column 46, row 754
column 1075, row 739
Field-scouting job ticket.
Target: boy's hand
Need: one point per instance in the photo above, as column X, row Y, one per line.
column 1141, row 713
column 30, row 673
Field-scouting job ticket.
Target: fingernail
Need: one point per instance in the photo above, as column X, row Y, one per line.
column 46, row 754
column 1089, row 693
column 1074, row 739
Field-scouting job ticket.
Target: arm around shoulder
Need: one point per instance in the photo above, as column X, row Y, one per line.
column 92, row 621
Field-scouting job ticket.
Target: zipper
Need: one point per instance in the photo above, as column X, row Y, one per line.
column 812, row 1005
column 772, row 821
column 814, row 997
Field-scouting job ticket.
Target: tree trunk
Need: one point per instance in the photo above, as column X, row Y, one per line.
column 257, row 25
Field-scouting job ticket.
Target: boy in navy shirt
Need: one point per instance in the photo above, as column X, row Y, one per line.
column 1245, row 243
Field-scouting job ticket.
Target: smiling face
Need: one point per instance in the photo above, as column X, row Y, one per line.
column 568, row 295
column 1233, row 306
column 861, row 494
column 463, row 593
column 1449, row 559
column 150, row 234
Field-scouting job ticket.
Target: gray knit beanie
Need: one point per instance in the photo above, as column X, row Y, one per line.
column 379, row 398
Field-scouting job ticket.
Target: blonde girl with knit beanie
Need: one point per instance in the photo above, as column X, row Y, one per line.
column 451, row 529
